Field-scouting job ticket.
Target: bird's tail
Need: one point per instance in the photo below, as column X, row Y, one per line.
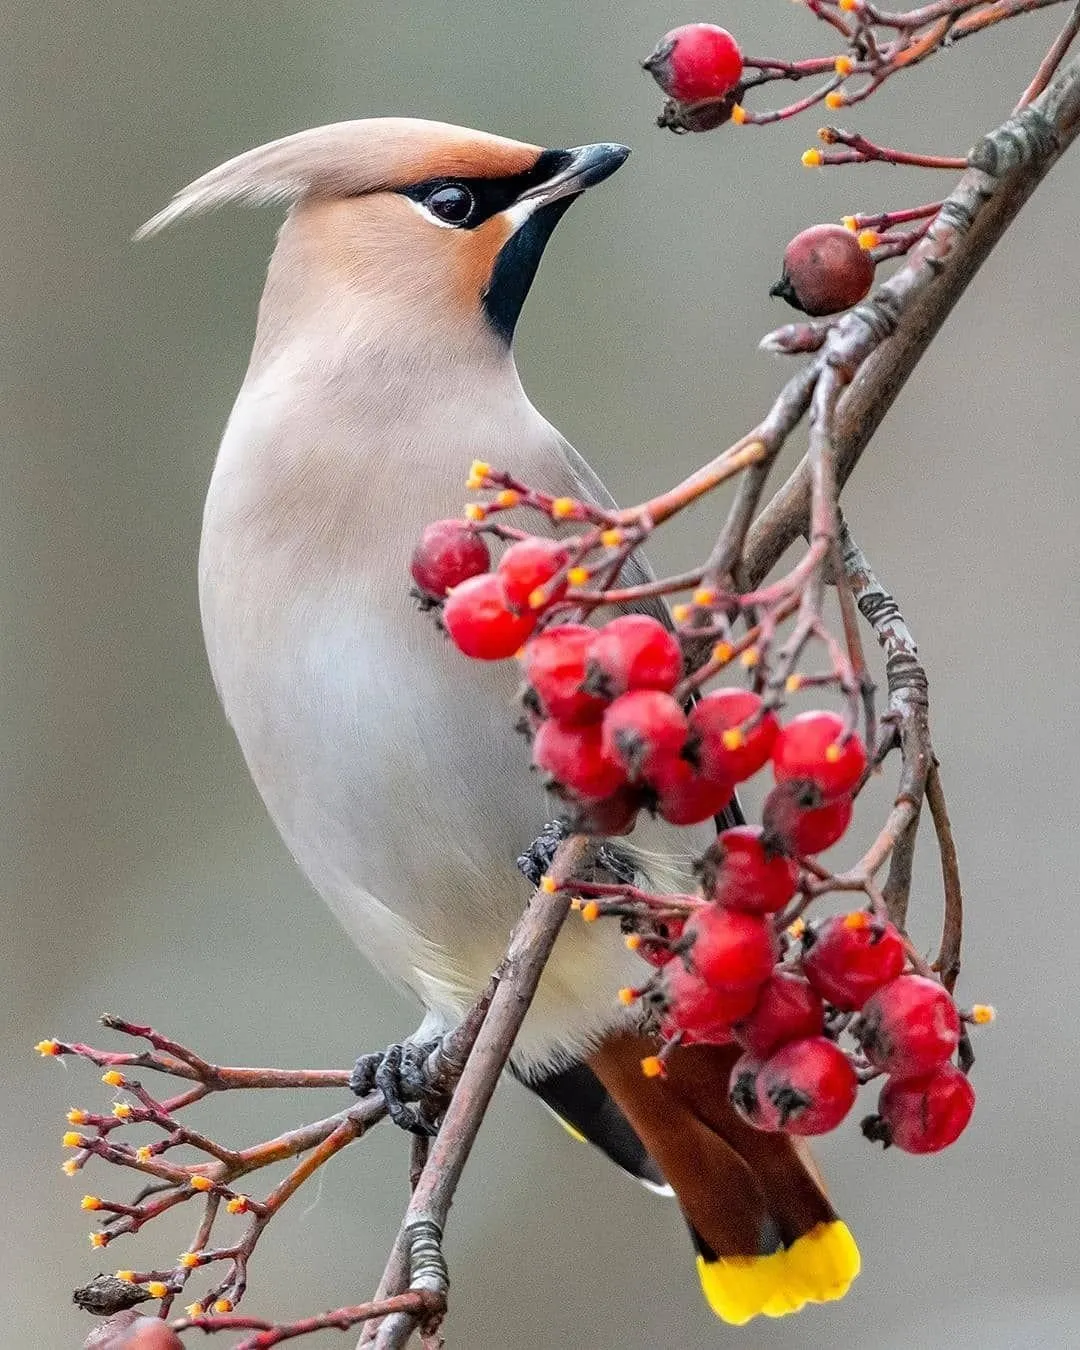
column 767, row 1239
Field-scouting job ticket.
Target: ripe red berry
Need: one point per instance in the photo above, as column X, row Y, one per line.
column 695, row 62
column 788, row 1009
column 924, row 1114
column 573, row 758
column 717, row 743
column 700, row 1011
column 684, row 796
column 909, row 1026
column 746, row 1096
column 448, row 553
column 797, row 819
column 811, row 1084
column 554, row 666
column 605, row 819
column 848, row 957
column 813, row 745
column 529, row 564
column 480, row 622
column 825, row 270
column 644, row 730
column 657, row 945
column 740, row 870
column 634, row 651
column 729, row 948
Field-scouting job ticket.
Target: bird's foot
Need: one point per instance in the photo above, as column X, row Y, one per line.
column 535, row 862
column 412, row 1080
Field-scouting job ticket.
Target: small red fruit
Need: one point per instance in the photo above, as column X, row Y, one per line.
column 573, row 757
column 924, row 1114
column 717, row 743
column 848, row 957
column 909, row 1026
column 605, row 819
column 480, row 622
column 797, row 819
column 696, row 62
column 644, row 730
column 746, row 1096
column 813, row 745
column 825, row 270
column 787, row 1009
column 528, row 565
column 448, row 553
column 731, row 949
column 739, row 869
column 684, row 796
column 657, row 945
column 634, row 651
column 811, row 1084
column 701, row 1012
column 554, row 665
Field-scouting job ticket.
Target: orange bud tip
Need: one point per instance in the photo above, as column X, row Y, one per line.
column 563, row 507
column 738, row 114
column 194, row 1310
column 633, row 942
column 722, row 653
column 99, row 1239
column 69, row 1168
column 72, row 1139
column 732, row 738
column 508, row 498
column 223, row 1305
column 680, row 613
column 652, row 1066
column 128, row 1276
column 850, row 6
column 590, row 912
column 201, row 1184
column 475, row 512
column 538, row 598
column 122, row 1110
column 704, row 597
column 144, row 1153
column 835, row 99
column 90, row 1202
column 237, row 1205
column 793, row 684
column 869, row 239
column 157, row 1289
column 833, row 752
column 189, row 1260
column 549, row 885
column 850, row 223
column 479, row 468
column 843, row 65
column 796, row 928
column 578, row 576
column 811, row 159
column 627, row 996
column 750, row 657
column 48, row 1048
column 611, row 538
column 114, row 1078
column 858, row 918
column 76, row 1116
column 982, row 1013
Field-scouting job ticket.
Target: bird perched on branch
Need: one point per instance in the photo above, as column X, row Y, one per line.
column 382, row 367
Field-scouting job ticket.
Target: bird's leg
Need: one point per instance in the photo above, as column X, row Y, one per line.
column 415, row 1077
column 535, row 862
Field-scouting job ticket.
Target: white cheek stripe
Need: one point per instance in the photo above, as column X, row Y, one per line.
column 517, row 214
column 430, row 215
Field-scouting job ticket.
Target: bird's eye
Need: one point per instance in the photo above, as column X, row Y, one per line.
column 451, row 202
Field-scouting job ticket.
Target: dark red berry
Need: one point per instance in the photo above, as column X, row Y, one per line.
column 573, row 758
column 644, row 730
column 480, row 622
column 696, row 62
column 634, row 651
column 449, row 552
column 848, row 957
column 746, row 1096
column 717, row 743
column 700, row 1011
column 797, row 819
column 825, row 270
column 924, row 1114
column 740, row 870
column 684, row 796
column 554, row 666
column 813, row 745
column 729, row 948
column 909, row 1027
column 528, row 565
column 811, row 1084
column 657, row 944
column 788, row 1009
column 615, row 815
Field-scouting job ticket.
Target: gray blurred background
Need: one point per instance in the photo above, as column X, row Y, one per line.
column 140, row 874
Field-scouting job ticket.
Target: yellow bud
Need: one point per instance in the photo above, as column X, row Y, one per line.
column 563, row 507
column 869, row 239
column 114, row 1078
column 850, row 6
column 157, row 1288
column 201, row 1184
column 633, row 941
column 627, row 996
column 548, row 885
column 811, row 159
column 508, row 498
column 733, row 738
column 223, row 1305
column 680, row 613
column 611, row 538
column 144, row 1153
column 76, row 1116
column 982, row 1013
column 237, row 1205
column 99, row 1239
column 850, row 223
column 90, row 1202
column 835, row 99
column 590, row 912
column 578, row 576
column 722, row 653
column 843, row 65
column 750, row 657
column 833, row 752
column 479, row 468
column 475, row 512
column 652, row 1066
column 69, row 1168
column 793, row 684
column 796, row 928
column 704, row 597
column 738, row 114
column 858, row 918
column 538, row 598
column 128, row 1276
column 47, row 1048
column 122, row 1110
column 189, row 1260
column 72, row 1139
column 194, row 1310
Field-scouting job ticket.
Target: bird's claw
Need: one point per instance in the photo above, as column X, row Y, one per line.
column 407, row 1077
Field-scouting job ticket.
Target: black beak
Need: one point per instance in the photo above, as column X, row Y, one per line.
column 581, row 167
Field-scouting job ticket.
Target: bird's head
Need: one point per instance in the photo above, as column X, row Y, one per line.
column 422, row 220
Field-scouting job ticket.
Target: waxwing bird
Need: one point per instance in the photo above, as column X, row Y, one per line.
column 382, row 367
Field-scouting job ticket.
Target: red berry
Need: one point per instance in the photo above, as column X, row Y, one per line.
column 825, row 270
column 695, row 62
column 787, row 1009
column 739, row 869
column 554, row 664
column 811, row 1084
column 684, row 796
column 925, row 1114
column 480, row 622
column 848, row 957
column 529, row 564
column 573, row 757
column 657, row 945
column 909, row 1026
column 731, row 949
column 449, row 552
column 721, row 749
column 614, row 815
column 701, row 1012
column 634, row 652
column 813, row 745
column 746, row 1096
column 644, row 730
column 797, row 819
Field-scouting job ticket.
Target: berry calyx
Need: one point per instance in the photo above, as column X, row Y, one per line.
column 811, row 1084
column 554, row 667
column 746, row 1096
column 848, row 957
column 909, row 1027
column 923, row 1114
column 815, row 745
column 695, row 62
column 787, row 1009
column 633, row 651
column 685, row 797
column 697, row 1010
column 480, row 622
column 796, row 818
column 448, row 553
column 718, row 744
column 644, row 730
column 729, row 948
column 573, row 758
column 741, row 871
column 527, row 566
column 825, row 271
